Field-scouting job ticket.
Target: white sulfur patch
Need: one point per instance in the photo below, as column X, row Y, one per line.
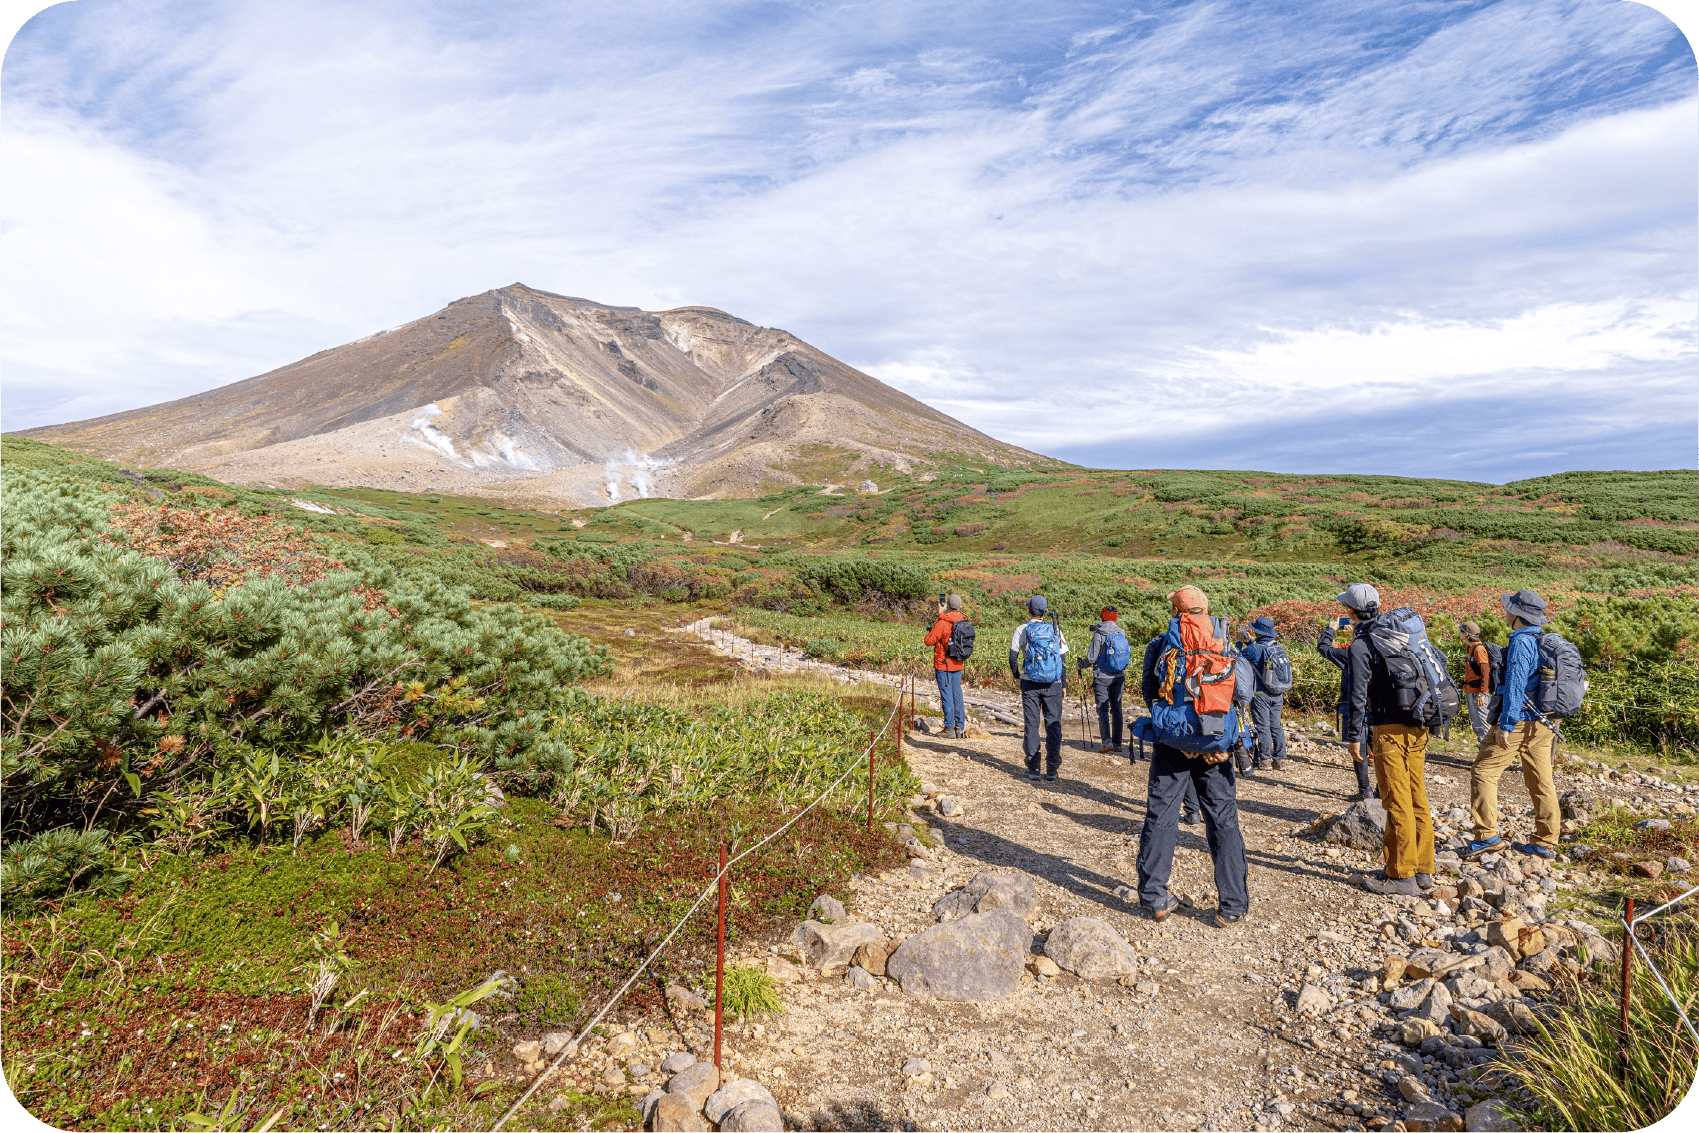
column 425, row 434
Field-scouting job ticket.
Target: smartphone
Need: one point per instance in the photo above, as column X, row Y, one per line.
column 941, row 599
column 1345, row 621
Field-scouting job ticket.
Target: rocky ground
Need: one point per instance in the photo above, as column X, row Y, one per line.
column 1328, row 1007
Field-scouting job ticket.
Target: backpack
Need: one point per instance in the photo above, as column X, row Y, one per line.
column 1203, row 684
column 1421, row 680
column 960, row 645
column 1115, row 655
column 1495, row 664
column 1563, row 678
column 1043, row 652
column 1275, row 672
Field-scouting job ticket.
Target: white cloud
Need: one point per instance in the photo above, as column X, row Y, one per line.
column 1017, row 215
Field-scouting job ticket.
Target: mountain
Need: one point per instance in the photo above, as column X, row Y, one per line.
column 526, row 395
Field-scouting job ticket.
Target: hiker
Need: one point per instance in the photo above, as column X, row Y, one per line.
column 1191, row 655
column 1400, row 744
column 1035, row 662
column 947, row 670
column 1339, row 655
column 1477, row 678
column 1519, row 733
column 1108, row 655
column 1274, row 680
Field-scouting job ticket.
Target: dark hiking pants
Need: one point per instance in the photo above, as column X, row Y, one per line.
column 1108, row 688
column 1271, row 730
column 1041, row 707
column 1170, row 773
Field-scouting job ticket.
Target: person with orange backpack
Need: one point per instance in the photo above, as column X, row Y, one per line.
column 1197, row 688
column 1479, row 665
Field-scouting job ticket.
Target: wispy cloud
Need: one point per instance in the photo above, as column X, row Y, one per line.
column 1059, row 224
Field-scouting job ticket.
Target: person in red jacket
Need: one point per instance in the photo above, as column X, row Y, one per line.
column 946, row 669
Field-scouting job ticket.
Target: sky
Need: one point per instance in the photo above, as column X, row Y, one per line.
column 1383, row 236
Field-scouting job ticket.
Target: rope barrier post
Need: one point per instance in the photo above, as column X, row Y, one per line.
column 1627, row 960
column 720, row 963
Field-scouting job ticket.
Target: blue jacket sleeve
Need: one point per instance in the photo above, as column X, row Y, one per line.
column 1521, row 672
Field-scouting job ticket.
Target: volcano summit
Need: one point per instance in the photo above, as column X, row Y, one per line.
column 526, row 395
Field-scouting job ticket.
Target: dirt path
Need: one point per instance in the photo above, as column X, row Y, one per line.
column 1205, row 1039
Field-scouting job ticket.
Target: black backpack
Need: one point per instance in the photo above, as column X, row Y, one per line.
column 960, row 645
column 1495, row 663
column 1563, row 678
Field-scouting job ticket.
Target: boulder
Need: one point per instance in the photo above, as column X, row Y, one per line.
column 1517, row 938
column 1361, row 827
column 979, row 957
column 1491, row 1116
column 733, row 1094
column 753, row 1116
column 678, row 1062
column 1677, row 865
column 861, row 979
column 827, row 910
column 987, row 891
column 646, row 1106
column 833, row 945
column 1312, row 1000
column 1091, row 949
column 1539, row 963
column 676, row 1113
column 695, row 1083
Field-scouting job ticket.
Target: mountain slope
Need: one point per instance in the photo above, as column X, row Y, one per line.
column 520, row 393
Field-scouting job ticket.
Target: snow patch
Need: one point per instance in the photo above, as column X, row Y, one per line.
column 308, row 505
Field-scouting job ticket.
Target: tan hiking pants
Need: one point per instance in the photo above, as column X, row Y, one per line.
column 1532, row 743
column 1401, row 754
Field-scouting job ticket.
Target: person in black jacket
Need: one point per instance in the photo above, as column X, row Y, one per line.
column 1400, row 743
column 1172, row 773
column 1338, row 655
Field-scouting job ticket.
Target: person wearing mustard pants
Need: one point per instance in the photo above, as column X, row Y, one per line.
column 1400, row 758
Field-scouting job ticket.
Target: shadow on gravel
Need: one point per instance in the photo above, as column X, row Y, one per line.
column 858, row 1115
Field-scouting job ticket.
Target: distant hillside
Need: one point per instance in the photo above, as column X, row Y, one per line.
column 524, row 395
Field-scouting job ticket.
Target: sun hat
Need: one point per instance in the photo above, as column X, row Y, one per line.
column 1528, row 606
column 1263, row 627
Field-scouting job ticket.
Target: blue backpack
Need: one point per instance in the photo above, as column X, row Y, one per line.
column 1275, row 672
column 1115, row 655
column 1174, row 719
column 1043, row 653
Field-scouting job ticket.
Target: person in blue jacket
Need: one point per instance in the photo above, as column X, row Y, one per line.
column 1108, row 655
column 1266, row 706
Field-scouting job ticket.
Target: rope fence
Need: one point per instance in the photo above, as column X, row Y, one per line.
column 713, row 887
column 1629, row 922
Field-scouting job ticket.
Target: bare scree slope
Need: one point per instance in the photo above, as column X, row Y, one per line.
column 528, row 395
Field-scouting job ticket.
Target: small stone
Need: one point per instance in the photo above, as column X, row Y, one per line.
column 861, row 979
column 1514, row 1016
column 996, row 1091
column 1147, row 988
column 1392, row 971
column 678, row 1062
column 827, row 910
column 1430, row 1115
column 1414, row 1032
column 782, row 969
column 1410, row 996
column 1677, row 865
column 686, row 1000
column 677, row 1113
column 555, row 1041
column 1412, row 1089
column 1312, row 1000
column 622, row 1042
column 979, row 957
column 613, row 1076
column 1649, row 869
column 1044, row 966
column 1528, row 981
column 528, row 1051
column 871, row 956
column 733, row 1094
column 1477, row 1025
column 1491, row 1116
column 833, row 945
column 949, row 807
column 753, row 1116
column 1091, row 949
column 1653, row 824
column 915, row 1067
column 695, row 1082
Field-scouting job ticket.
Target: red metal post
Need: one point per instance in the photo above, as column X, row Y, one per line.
column 720, row 964
column 1627, row 960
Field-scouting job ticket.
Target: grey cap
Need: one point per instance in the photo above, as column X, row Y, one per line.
column 1360, row 596
column 1036, row 604
column 954, row 602
column 1528, row 606
column 1470, row 629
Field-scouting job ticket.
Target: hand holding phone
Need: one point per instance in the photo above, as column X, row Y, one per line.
column 1344, row 621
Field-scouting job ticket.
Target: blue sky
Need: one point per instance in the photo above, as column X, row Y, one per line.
column 1450, row 239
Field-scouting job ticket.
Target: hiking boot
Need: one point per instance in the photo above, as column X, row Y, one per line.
column 1050, row 777
column 1032, row 774
column 1401, row 887
column 1226, row 920
column 1280, row 765
column 1189, row 818
column 1537, row 851
column 1425, row 881
column 1362, row 796
column 1490, row 846
column 1106, row 750
column 1162, row 913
